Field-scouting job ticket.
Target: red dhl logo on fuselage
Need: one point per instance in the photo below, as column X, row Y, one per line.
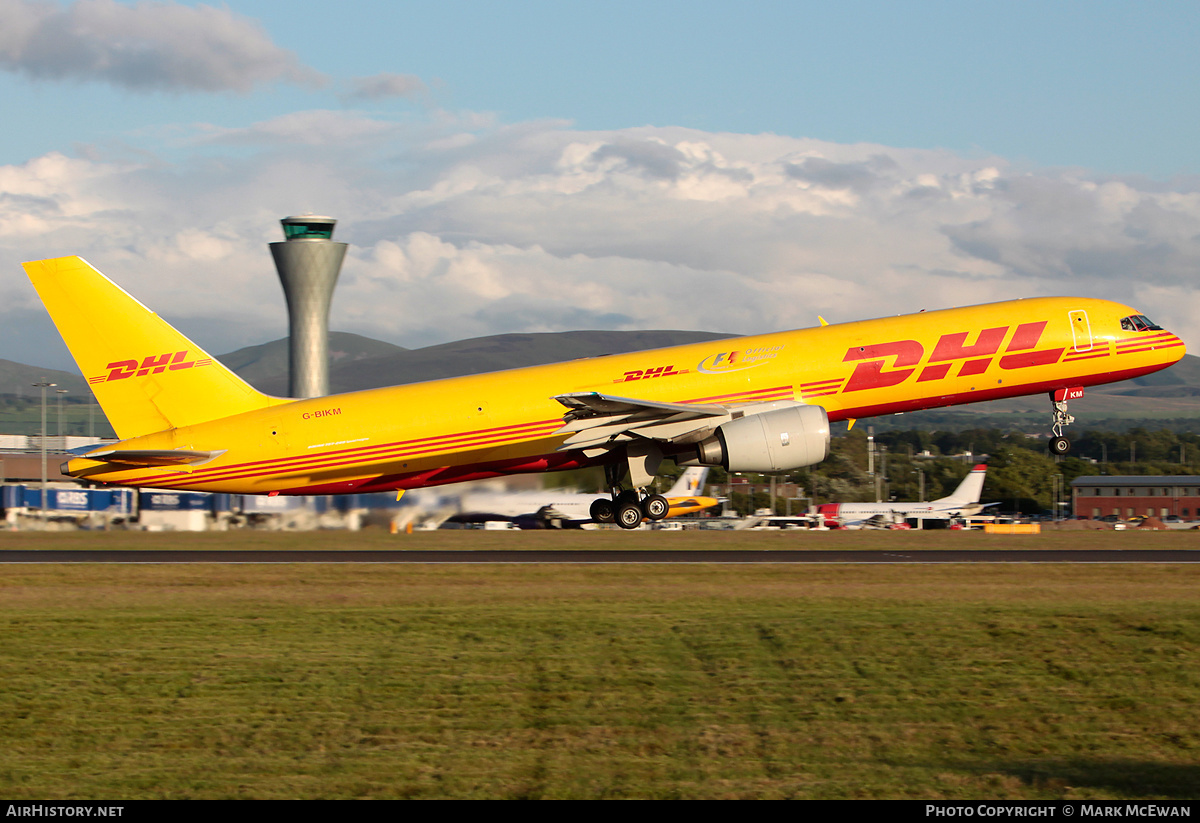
column 153, row 364
column 646, row 374
column 1020, row 353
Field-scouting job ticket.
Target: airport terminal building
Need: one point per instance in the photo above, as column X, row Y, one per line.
column 1094, row 497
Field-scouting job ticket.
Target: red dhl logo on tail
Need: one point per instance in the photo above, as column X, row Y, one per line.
column 153, row 364
column 1021, row 353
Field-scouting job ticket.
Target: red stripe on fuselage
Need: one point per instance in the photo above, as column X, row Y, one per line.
column 281, row 465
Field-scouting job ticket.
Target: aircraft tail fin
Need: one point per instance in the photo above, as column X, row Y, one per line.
column 971, row 488
column 146, row 375
column 690, row 483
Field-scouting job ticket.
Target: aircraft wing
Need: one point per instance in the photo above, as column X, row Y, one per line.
column 590, row 404
column 596, row 422
column 976, row 508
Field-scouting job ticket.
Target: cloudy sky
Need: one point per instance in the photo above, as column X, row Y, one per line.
column 544, row 166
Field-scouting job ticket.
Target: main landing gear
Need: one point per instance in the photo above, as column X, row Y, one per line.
column 627, row 508
column 1058, row 443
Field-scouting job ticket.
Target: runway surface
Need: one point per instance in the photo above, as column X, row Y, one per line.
column 605, row 556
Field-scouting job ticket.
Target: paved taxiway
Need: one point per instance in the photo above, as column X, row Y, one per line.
column 605, row 556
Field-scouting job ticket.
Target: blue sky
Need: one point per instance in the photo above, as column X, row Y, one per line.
column 1110, row 86
column 521, row 166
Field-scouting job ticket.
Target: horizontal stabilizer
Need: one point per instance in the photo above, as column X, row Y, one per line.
column 154, row 457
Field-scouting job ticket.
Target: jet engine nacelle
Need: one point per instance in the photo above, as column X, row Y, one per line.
column 769, row 441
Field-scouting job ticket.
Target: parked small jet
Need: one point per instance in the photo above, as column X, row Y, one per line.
column 575, row 509
column 962, row 502
column 687, row 495
column 756, row 404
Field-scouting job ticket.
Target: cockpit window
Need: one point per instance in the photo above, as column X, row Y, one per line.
column 1139, row 322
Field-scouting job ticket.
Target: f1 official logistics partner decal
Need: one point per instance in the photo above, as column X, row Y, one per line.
column 728, row 361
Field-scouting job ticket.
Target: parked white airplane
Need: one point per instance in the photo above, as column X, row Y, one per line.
column 683, row 497
column 962, row 502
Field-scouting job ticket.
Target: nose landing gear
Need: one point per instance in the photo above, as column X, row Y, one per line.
column 1059, row 444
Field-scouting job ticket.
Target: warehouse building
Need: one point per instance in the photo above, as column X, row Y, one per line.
column 1095, row 497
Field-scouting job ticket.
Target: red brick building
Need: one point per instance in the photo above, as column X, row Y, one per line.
column 1125, row 496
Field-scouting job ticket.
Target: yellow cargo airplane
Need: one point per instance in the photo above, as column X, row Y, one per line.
column 757, row 404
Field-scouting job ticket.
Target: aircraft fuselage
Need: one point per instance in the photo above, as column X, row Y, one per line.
column 486, row 425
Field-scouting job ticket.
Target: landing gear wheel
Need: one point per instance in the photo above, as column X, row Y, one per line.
column 656, row 506
column 603, row 510
column 629, row 515
column 1059, row 445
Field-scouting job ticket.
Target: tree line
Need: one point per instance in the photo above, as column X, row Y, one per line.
column 1021, row 476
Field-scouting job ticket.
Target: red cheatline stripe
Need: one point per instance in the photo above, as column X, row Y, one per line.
column 1137, row 341
column 1072, row 359
column 749, row 395
column 366, row 465
column 516, row 432
column 1141, row 341
column 371, row 460
column 1157, row 347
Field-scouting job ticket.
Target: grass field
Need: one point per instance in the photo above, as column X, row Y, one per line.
column 704, row 681
column 609, row 539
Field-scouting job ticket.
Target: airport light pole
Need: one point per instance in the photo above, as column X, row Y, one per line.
column 60, row 393
column 871, row 455
column 43, row 386
column 920, row 485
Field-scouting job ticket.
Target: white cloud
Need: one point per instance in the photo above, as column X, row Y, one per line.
column 148, row 46
column 385, row 85
column 303, row 128
column 459, row 228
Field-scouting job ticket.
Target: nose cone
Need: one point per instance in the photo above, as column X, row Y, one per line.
column 1170, row 347
column 1157, row 350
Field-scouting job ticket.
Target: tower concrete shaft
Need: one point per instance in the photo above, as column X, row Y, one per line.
column 308, row 262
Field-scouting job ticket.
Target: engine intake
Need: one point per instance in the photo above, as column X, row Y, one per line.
column 770, row 441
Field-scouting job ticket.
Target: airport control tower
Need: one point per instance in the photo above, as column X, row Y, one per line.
column 308, row 262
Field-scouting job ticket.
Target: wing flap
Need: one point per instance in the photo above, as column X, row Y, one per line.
column 583, row 405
